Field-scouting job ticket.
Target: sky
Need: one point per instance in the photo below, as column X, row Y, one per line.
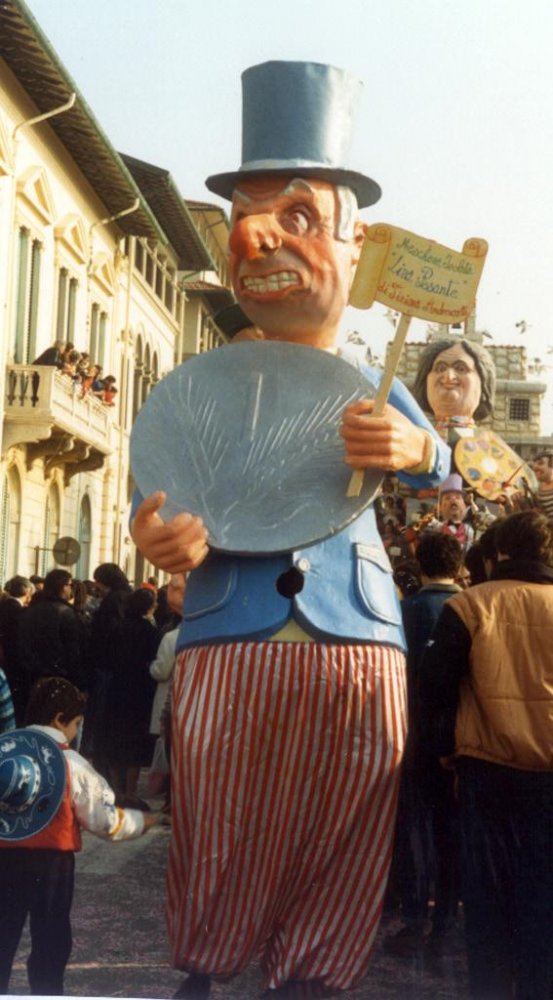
column 455, row 123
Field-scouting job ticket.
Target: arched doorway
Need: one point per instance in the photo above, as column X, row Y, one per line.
column 10, row 519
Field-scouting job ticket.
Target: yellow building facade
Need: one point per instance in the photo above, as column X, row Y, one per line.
column 88, row 259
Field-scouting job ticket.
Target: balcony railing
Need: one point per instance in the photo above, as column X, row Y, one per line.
column 42, row 403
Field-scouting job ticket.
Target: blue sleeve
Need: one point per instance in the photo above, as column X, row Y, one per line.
column 401, row 398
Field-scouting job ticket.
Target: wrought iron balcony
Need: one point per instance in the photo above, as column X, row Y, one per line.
column 47, row 411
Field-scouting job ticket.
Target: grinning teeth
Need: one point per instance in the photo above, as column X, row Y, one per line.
column 272, row 283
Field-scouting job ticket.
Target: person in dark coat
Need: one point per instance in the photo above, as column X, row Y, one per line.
column 487, row 684
column 114, row 590
column 49, row 636
column 426, row 847
column 13, row 607
column 130, row 695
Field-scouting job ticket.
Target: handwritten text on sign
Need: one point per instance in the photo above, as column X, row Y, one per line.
column 416, row 276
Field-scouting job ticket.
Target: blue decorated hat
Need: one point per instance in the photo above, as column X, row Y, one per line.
column 297, row 118
column 32, row 782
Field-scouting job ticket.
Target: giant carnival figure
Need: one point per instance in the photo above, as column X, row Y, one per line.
column 455, row 384
column 289, row 688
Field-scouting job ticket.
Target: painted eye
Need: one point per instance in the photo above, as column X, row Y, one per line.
column 296, row 221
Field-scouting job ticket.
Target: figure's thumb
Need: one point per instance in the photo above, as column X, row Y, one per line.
column 149, row 507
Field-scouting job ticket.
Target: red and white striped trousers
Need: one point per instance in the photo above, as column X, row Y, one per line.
column 285, row 774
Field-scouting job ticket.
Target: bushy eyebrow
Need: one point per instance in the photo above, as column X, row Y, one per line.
column 295, row 185
column 298, row 184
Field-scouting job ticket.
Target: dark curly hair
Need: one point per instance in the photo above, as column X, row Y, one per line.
column 527, row 535
column 51, row 696
column 111, row 576
column 439, row 555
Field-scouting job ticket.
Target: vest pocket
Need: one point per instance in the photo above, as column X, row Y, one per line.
column 374, row 585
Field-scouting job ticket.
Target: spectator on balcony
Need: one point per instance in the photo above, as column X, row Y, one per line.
column 70, row 362
column 52, row 355
column 97, row 387
column 91, row 379
column 67, row 349
column 110, row 391
column 84, row 365
column 13, row 607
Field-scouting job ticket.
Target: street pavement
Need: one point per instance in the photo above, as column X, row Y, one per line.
column 120, row 946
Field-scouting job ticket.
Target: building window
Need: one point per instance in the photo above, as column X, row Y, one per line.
column 159, row 282
column 71, row 310
column 93, row 339
column 28, row 286
column 4, row 531
column 150, row 270
column 67, row 304
column 102, row 329
column 98, row 332
column 519, row 409
column 139, row 257
column 84, row 536
column 51, row 528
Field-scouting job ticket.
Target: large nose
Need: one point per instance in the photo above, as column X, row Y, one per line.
column 255, row 236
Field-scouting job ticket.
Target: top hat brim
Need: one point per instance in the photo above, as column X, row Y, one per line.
column 367, row 191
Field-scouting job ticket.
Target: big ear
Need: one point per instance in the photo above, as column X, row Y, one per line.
column 360, row 230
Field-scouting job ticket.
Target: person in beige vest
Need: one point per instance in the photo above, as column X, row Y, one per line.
column 487, row 687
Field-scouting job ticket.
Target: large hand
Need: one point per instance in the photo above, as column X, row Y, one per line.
column 176, row 546
column 390, row 442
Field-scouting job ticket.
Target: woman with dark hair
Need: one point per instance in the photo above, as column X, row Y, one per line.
column 455, row 381
column 49, row 638
column 130, row 695
column 114, row 590
column 487, row 690
column 81, row 603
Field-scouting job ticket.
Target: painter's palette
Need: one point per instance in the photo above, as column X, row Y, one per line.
column 491, row 466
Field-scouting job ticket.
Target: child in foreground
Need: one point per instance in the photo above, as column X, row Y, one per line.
column 48, row 792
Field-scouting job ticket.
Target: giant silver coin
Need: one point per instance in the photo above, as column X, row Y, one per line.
column 247, row 436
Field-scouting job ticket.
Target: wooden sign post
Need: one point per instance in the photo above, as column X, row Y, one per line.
column 415, row 277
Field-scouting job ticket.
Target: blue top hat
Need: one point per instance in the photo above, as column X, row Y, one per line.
column 32, row 782
column 297, row 119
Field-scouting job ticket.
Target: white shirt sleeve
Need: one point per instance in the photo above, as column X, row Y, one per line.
column 162, row 667
column 94, row 803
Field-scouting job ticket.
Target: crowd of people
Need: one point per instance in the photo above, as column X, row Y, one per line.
column 475, row 817
column 86, row 376
column 102, row 636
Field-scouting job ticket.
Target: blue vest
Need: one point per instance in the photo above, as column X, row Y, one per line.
column 346, row 591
